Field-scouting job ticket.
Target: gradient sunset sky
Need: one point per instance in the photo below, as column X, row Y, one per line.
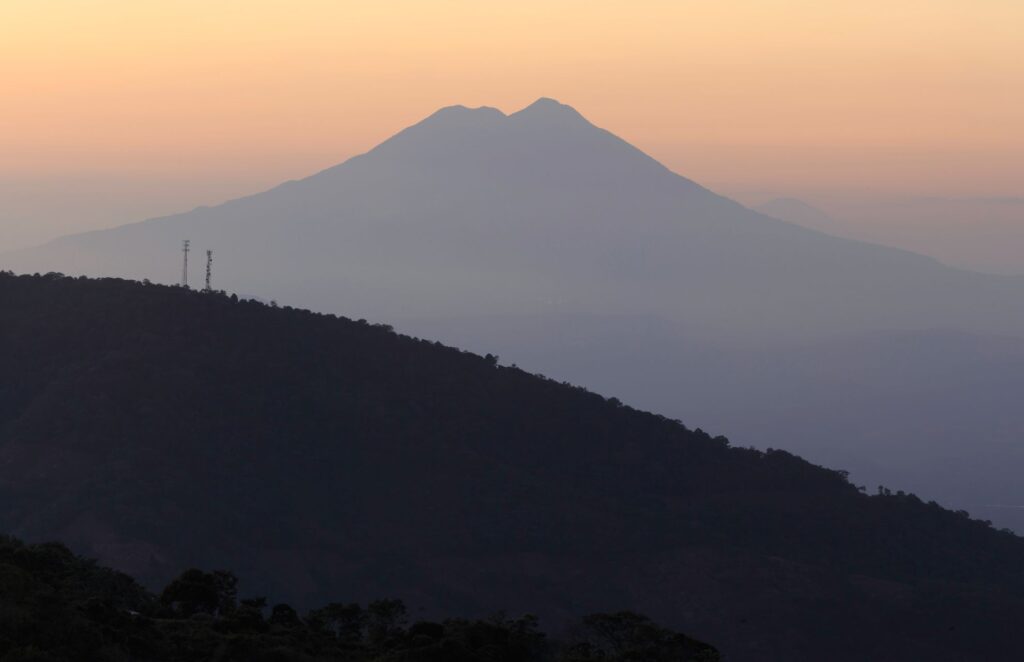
column 166, row 104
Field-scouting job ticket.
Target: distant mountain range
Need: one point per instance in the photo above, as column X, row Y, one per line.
column 798, row 212
column 323, row 459
column 979, row 233
column 622, row 275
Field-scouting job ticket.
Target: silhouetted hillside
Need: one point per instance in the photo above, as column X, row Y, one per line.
column 159, row 428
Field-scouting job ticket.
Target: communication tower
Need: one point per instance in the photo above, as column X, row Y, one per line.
column 185, row 248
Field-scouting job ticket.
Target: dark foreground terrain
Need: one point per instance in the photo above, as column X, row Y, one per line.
column 158, row 428
column 55, row 606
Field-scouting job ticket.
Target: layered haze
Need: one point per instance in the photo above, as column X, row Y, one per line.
column 545, row 239
column 979, row 233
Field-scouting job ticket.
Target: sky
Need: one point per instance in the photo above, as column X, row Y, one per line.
column 116, row 110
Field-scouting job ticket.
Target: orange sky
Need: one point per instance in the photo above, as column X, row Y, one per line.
column 228, row 96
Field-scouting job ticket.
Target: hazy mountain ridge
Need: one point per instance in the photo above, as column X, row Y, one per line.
column 796, row 211
column 979, row 233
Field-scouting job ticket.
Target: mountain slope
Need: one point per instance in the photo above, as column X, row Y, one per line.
column 159, row 428
column 936, row 412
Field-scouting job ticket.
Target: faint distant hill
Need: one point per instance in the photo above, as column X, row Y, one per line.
column 980, row 233
column 322, row 458
column 797, row 212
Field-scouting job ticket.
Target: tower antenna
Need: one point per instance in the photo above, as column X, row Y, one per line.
column 209, row 269
column 185, row 247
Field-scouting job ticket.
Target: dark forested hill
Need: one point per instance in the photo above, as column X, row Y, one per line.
column 159, row 428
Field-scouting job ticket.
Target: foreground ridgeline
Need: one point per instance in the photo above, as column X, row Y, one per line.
column 55, row 606
column 157, row 428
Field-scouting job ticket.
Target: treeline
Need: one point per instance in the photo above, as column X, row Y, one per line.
column 56, row 606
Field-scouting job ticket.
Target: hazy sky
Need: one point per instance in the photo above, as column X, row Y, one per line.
column 116, row 109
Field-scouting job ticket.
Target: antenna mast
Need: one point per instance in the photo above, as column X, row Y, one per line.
column 185, row 247
column 209, row 269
